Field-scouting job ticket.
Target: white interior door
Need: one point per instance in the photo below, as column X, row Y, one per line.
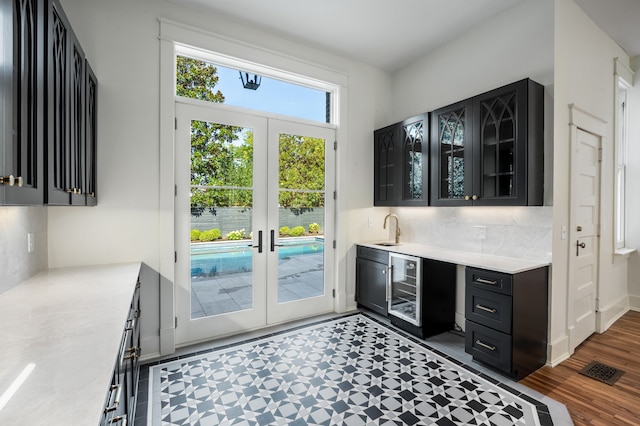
column 258, row 193
column 584, row 238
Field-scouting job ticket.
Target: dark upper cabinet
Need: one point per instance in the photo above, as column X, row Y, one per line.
column 72, row 123
column 22, row 104
column 401, row 153
column 488, row 150
column 451, row 154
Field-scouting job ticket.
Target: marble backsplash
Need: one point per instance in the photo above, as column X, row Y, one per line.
column 16, row 263
column 521, row 232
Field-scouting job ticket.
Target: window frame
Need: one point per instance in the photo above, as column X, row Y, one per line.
column 623, row 81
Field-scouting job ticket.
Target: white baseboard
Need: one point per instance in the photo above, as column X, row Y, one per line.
column 634, row 303
column 558, row 351
column 607, row 316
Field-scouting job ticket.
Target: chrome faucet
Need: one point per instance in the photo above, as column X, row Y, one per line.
column 398, row 232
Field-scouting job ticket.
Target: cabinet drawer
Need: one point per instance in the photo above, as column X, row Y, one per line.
column 376, row 255
column 487, row 345
column 488, row 308
column 489, row 280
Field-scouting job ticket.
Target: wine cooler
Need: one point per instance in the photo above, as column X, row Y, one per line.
column 404, row 288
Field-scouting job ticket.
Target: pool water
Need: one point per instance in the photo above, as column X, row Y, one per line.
column 211, row 259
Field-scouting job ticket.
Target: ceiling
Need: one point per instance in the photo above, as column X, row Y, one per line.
column 391, row 34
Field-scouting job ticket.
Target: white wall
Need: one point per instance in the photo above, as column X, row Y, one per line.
column 120, row 38
column 16, row 264
column 583, row 76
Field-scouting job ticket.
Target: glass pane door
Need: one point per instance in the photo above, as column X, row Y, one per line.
column 219, row 231
column 405, row 290
column 299, row 214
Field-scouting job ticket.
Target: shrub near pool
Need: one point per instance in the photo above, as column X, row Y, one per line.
column 285, row 230
column 235, row 235
column 210, row 235
column 314, row 228
column 195, row 234
column 297, row 231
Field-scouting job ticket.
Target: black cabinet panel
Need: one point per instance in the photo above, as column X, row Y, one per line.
column 488, row 150
column 23, row 92
column 371, row 279
column 401, row 165
column 72, row 119
column 506, row 319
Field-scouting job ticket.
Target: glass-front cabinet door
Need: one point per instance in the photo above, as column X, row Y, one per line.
column 451, row 155
column 387, row 166
column 508, row 155
column 415, row 154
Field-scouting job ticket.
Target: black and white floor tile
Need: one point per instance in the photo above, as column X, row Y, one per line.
column 352, row 370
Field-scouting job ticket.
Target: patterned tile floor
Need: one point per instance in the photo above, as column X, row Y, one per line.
column 353, row 370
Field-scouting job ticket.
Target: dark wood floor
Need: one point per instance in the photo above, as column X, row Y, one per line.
column 589, row 401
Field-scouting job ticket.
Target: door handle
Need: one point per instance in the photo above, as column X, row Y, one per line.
column 273, row 242
column 259, row 246
column 579, row 245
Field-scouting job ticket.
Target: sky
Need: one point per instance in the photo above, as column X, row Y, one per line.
column 273, row 96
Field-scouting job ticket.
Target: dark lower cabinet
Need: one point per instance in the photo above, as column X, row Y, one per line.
column 371, row 279
column 120, row 403
column 507, row 319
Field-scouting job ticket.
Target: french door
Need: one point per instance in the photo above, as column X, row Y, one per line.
column 254, row 208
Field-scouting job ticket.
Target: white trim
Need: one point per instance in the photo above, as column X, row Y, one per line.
column 586, row 121
column 623, row 72
column 612, row 313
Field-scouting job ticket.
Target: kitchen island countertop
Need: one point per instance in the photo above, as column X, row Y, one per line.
column 61, row 332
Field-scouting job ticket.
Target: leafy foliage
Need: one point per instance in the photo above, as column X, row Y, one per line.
column 235, row 235
column 210, row 235
column 297, row 231
column 314, row 228
column 195, row 234
column 285, row 231
column 222, row 155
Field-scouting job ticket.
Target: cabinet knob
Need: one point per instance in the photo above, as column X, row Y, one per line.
column 475, row 197
column 467, row 198
column 11, row 180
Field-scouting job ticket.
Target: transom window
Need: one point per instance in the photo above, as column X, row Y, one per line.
column 250, row 89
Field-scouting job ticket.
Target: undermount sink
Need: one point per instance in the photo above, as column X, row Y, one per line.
column 387, row 244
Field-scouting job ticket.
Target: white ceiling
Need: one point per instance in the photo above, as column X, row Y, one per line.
column 391, row 34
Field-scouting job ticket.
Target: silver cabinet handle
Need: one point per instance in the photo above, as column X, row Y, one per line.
column 389, row 275
column 483, row 281
column 11, row 180
column 114, row 406
column 484, row 345
column 484, row 308
column 120, row 419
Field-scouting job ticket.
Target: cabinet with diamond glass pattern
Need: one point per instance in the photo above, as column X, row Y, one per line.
column 401, row 163
column 488, row 150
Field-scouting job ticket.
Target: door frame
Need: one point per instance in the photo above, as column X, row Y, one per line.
column 264, row 287
column 582, row 120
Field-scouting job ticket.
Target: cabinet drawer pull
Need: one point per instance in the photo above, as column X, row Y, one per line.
column 486, row 346
column 484, row 308
column 483, row 281
column 116, row 401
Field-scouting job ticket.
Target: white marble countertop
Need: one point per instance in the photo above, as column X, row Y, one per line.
column 66, row 326
column 504, row 264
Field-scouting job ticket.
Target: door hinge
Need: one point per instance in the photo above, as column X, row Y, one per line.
column 175, row 322
column 335, row 145
column 175, row 123
column 600, row 155
column 335, row 195
column 334, row 243
column 175, row 256
column 175, row 190
column 598, row 230
column 333, row 293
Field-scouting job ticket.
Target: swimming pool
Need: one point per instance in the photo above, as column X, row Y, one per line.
column 227, row 257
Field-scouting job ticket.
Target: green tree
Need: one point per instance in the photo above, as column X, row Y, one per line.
column 213, row 146
column 301, row 168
